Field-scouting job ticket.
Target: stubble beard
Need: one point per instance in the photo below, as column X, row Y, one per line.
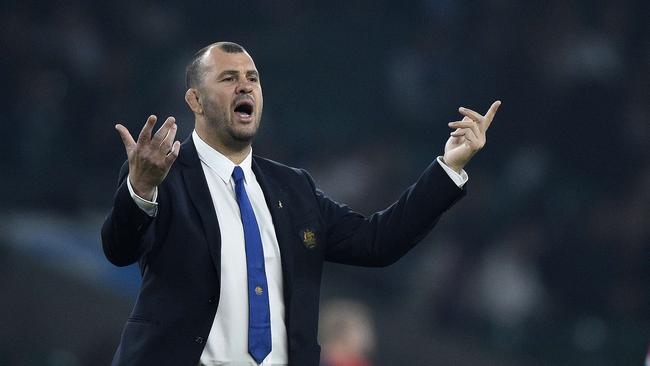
column 219, row 121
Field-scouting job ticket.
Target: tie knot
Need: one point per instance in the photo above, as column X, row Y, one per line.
column 238, row 174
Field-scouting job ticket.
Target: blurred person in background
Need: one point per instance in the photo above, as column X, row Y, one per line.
column 230, row 245
column 347, row 334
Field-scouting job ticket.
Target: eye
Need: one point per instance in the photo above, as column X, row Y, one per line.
column 253, row 79
column 228, row 78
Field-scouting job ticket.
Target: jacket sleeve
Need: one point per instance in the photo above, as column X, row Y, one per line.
column 125, row 226
column 385, row 236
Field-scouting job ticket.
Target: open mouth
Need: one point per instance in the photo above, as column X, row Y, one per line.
column 244, row 108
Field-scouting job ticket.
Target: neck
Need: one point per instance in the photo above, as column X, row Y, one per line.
column 235, row 151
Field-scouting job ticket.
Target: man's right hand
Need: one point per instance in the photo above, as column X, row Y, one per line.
column 150, row 158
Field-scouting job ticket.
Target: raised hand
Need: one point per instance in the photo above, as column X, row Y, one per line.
column 150, row 158
column 468, row 137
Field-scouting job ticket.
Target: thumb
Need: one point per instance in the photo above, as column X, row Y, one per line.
column 127, row 139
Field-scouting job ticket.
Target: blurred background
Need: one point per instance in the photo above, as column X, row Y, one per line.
column 545, row 262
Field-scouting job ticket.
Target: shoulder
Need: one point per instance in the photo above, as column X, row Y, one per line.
column 282, row 172
column 273, row 167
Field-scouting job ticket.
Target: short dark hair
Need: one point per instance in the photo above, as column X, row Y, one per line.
column 194, row 70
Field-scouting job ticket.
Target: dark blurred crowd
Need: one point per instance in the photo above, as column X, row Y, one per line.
column 545, row 262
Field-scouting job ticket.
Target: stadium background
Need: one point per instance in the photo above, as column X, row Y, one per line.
column 545, row 262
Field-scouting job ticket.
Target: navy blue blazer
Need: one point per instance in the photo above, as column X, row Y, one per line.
column 179, row 252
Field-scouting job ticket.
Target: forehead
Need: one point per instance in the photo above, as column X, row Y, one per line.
column 216, row 60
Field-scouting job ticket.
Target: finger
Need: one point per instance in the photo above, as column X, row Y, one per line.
column 162, row 132
column 461, row 124
column 166, row 144
column 126, row 137
column 145, row 134
column 471, row 136
column 466, row 124
column 458, row 132
column 464, row 132
column 173, row 153
column 489, row 116
column 474, row 141
column 475, row 116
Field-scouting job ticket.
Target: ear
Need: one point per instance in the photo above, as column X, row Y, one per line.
column 193, row 101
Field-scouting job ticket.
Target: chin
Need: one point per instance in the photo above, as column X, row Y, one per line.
column 243, row 136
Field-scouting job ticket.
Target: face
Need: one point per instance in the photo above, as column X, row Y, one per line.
column 231, row 96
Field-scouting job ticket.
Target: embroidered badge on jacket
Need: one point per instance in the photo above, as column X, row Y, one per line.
column 308, row 238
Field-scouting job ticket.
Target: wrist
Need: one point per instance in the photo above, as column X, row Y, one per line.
column 143, row 191
column 456, row 168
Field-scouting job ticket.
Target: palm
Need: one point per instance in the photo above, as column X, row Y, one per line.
column 457, row 150
column 151, row 157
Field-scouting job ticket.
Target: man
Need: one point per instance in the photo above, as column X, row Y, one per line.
column 346, row 333
column 231, row 245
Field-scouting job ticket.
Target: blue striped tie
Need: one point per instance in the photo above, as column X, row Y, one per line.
column 259, row 315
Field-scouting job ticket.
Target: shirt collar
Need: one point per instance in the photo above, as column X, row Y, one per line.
column 218, row 162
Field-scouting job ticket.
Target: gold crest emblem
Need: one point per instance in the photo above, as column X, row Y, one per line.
column 258, row 290
column 309, row 239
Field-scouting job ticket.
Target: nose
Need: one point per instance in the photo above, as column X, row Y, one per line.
column 244, row 87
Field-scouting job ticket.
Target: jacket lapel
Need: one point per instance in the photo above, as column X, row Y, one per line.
column 277, row 202
column 199, row 193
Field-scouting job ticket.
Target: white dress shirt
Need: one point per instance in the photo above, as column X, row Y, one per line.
column 227, row 344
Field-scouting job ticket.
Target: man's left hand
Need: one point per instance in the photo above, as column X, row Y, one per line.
column 468, row 137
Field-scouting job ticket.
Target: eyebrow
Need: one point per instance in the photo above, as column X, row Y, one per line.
column 236, row 73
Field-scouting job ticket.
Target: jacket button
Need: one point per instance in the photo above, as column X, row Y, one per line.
column 199, row 340
column 212, row 300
